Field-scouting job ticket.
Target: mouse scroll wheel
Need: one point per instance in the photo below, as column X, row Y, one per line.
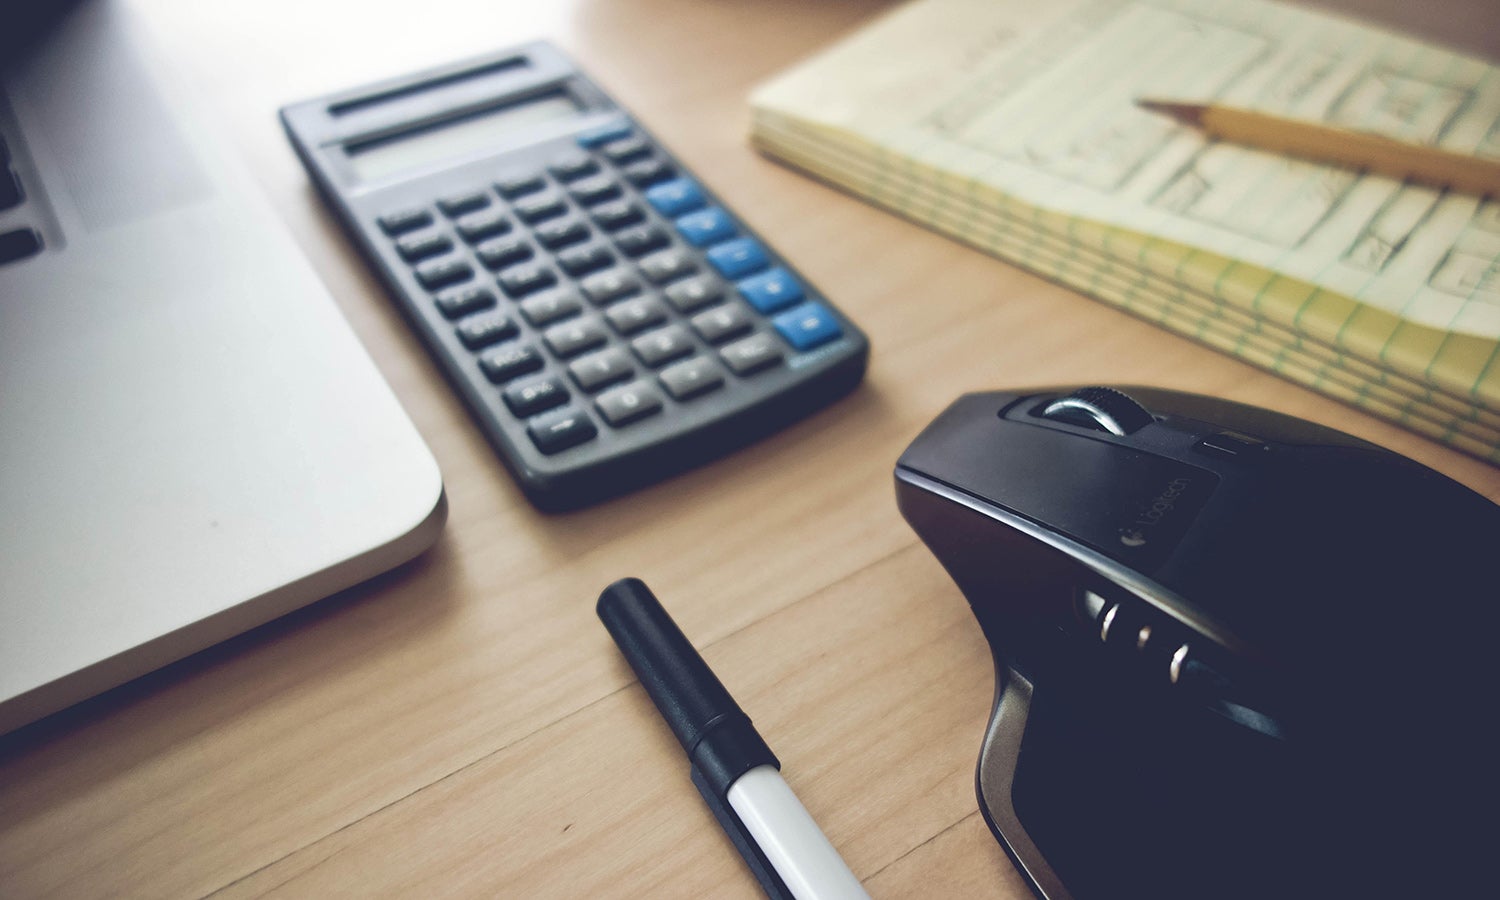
column 1100, row 408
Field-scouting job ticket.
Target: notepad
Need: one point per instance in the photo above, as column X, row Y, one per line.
column 1013, row 127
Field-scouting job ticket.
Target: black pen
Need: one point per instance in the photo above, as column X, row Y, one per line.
column 735, row 771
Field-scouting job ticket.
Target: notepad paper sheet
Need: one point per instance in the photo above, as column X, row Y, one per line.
column 1015, row 129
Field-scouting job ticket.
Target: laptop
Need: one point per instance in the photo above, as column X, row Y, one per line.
column 192, row 440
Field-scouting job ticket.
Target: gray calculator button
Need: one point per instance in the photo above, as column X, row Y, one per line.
column 518, row 281
column 478, row 332
column 662, row 345
column 403, row 220
column 571, row 165
column 503, row 364
column 459, row 303
column 458, row 204
column 443, row 272
column 502, row 252
column 531, row 397
column 477, row 227
column 518, row 184
column 692, row 377
column 627, row 150
column 420, row 246
column 562, row 233
column 668, row 265
column 752, row 354
column 538, row 209
column 628, row 403
column 637, row 314
column 723, row 322
column 572, row 338
column 558, row 431
column 553, row 306
column 695, row 293
column 617, row 215
column 596, row 370
column 594, row 190
column 611, row 285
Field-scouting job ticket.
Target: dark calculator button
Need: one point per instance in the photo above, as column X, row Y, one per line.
column 502, row 252
column 475, row 228
column 723, row 322
column 554, row 306
column 662, row 345
column 561, row 233
column 518, row 281
column 751, row 354
column 597, row 370
column 695, row 376
column 539, row 209
column 459, row 303
column 458, row 204
column 532, row 397
column 420, row 246
column 505, row 363
column 638, row 314
column 519, row 184
column 611, row 131
column 668, row 265
column 597, row 189
column 403, row 220
column 560, row 431
column 572, row 338
column 572, row 165
column 647, row 172
column 580, row 261
column 627, row 150
column 641, row 240
column 10, row 189
column 617, row 215
column 627, row 403
column 443, row 272
column 19, row 244
column 695, row 293
column 612, row 285
column 478, row 332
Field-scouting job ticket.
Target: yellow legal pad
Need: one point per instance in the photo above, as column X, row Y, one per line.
column 1013, row 127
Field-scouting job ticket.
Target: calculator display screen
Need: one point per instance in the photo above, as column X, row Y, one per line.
column 457, row 138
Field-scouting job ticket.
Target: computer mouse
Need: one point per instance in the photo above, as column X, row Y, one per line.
column 1237, row 653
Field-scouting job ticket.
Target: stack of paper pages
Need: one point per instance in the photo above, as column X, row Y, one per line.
column 1012, row 125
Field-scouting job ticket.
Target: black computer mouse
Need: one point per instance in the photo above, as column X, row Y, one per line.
column 1237, row 653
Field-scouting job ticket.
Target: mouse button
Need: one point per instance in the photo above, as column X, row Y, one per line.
column 1233, row 445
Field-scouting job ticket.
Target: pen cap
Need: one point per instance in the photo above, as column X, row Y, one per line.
column 717, row 735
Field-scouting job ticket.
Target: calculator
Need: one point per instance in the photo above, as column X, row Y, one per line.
column 606, row 318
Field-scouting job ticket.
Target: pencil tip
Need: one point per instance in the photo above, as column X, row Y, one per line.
column 1187, row 113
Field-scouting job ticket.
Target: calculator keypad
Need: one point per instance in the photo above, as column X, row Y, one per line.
column 602, row 288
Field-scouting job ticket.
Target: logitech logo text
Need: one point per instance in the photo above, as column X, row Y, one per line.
column 1150, row 515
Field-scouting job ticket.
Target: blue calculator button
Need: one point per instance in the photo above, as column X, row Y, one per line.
column 610, row 131
column 739, row 257
column 772, row 290
column 807, row 326
column 675, row 197
column 706, row 226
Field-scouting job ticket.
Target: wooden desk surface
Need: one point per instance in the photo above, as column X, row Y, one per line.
column 463, row 725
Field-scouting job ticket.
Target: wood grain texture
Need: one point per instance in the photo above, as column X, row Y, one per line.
column 463, row 726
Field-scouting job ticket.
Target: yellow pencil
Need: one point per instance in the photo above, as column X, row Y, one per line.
column 1324, row 143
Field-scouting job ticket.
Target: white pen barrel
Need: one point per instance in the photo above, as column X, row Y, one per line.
column 790, row 839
